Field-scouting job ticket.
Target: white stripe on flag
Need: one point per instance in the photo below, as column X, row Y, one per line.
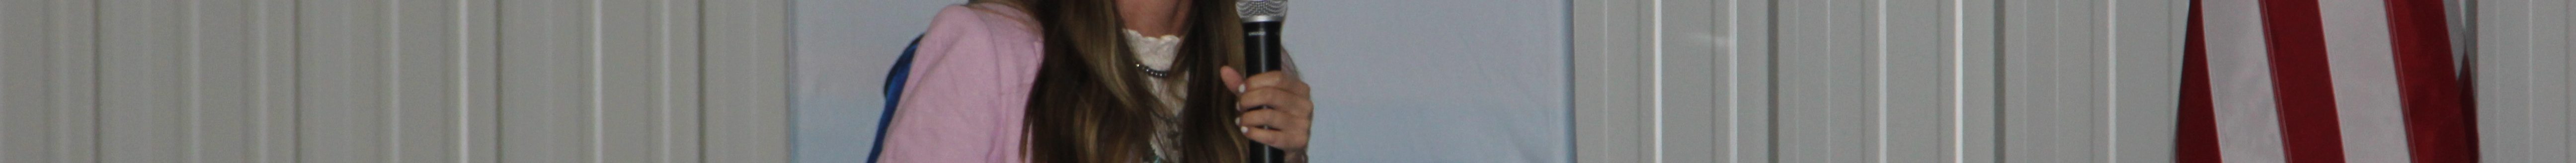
column 2365, row 80
column 2249, row 128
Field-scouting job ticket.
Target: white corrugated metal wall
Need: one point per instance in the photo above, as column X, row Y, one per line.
column 392, row 81
column 1876, row 80
column 2522, row 76
column 1971, row 80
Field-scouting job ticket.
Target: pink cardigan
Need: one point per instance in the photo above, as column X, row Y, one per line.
column 970, row 84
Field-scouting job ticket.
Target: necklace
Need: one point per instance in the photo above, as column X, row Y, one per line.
column 1154, row 54
column 1157, row 73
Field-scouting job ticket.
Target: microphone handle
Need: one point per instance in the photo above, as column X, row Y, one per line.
column 1261, row 51
column 1261, row 46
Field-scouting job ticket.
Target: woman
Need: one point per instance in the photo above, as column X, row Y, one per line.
column 1104, row 81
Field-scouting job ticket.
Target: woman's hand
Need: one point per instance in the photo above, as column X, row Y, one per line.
column 1284, row 123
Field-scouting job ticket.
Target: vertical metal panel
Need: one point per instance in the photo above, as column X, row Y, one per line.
column 2548, row 53
column 139, row 103
column 2081, row 129
column 1689, row 109
column 1824, row 56
column 545, row 75
column 678, row 66
column 2082, row 81
column 2504, row 104
column 1977, row 103
column 477, row 79
column 1748, row 59
column 2522, row 80
column 275, row 68
column 623, row 79
column 75, row 81
column 634, row 39
column 1913, row 121
column 2025, row 136
column 2144, row 48
column 745, row 91
column 220, row 88
column 478, row 82
column 30, row 109
column 2548, row 42
column 1877, row 80
column 1620, row 130
column 24, row 101
column 382, row 81
column 2054, row 79
column 421, row 51
column 342, row 78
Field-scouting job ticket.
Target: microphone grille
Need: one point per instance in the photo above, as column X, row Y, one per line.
column 1250, row 9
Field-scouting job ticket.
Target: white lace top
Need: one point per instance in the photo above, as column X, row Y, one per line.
column 1158, row 53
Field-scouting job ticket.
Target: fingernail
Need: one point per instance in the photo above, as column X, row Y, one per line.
column 1246, row 129
column 1238, row 89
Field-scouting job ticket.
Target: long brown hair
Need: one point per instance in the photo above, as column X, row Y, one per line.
column 1090, row 106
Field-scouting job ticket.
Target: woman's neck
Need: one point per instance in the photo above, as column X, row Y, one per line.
column 1153, row 17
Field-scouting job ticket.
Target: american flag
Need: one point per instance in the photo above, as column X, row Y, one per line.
column 2318, row 81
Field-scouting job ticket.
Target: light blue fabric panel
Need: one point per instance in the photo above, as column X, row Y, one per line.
column 842, row 51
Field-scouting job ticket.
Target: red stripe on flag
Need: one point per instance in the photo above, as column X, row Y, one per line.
column 2437, row 125
column 2310, row 132
column 2197, row 140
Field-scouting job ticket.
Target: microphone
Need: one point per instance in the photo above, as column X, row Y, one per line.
column 1261, row 20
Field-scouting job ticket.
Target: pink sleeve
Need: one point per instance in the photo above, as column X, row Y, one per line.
column 964, row 103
